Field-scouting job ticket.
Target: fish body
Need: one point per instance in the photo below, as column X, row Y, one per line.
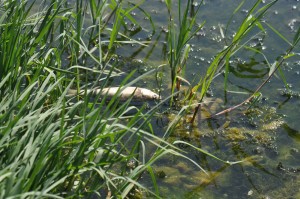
column 137, row 93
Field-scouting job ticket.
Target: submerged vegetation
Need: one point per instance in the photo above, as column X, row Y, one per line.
column 56, row 146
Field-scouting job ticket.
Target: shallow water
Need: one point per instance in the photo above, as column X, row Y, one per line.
column 269, row 134
column 264, row 137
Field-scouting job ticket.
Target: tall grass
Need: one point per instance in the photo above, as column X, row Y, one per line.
column 54, row 146
column 181, row 31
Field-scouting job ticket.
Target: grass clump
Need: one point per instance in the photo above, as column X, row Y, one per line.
column 55, row 146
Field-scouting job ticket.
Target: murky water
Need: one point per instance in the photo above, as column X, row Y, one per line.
column 266, row 136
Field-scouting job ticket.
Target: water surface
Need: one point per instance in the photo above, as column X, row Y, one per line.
column 266, row 136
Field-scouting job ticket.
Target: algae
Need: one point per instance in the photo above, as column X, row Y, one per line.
column 251, row 135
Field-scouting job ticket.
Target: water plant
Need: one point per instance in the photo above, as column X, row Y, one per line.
column 180, row 32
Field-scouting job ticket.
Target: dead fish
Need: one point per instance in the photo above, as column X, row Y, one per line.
column 137, row 93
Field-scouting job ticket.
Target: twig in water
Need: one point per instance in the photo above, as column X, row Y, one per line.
column 257, row 89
